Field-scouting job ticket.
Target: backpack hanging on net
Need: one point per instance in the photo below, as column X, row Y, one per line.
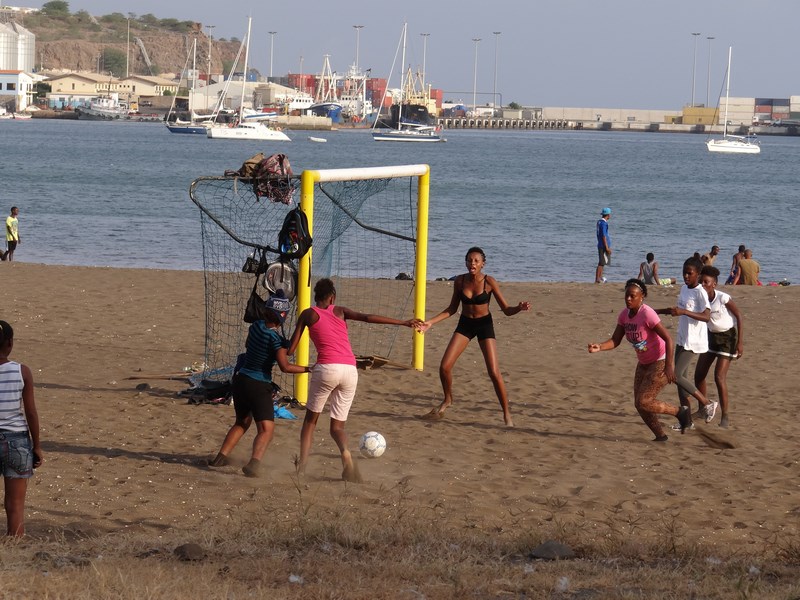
column 272, row 178
column 294, row 239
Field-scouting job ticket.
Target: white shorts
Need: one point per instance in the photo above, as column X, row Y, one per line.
column 335, row 382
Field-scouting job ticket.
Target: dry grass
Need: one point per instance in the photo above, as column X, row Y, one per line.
column 392, row 550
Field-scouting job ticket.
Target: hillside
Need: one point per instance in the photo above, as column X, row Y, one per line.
column 79, row 41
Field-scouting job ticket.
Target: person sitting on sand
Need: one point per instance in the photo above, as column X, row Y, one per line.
column 473, row 290
column 648, row 272
column 748, row 270
column 252, row 384
column 725, row 335
column 640, row 325
column 334, row 377
column 20, row 451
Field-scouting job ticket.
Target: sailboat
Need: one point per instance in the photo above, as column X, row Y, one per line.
column 404, row 130
column 732, row 144
column 176, row 125
column 243, row 129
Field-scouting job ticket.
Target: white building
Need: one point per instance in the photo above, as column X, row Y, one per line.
column 17, row 48
column 17, row 88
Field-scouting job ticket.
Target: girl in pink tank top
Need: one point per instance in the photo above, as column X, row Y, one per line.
column 334, row 377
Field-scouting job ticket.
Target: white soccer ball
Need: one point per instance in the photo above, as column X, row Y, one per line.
column 372, row 444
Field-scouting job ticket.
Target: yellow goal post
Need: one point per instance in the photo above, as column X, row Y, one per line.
column 309, row 179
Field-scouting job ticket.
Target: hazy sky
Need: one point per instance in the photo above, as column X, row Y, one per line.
column 585, row 53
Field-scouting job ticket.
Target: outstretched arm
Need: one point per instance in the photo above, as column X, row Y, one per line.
column 611, row 342
column 447, row 312
column 353, row 315
column 501, row 301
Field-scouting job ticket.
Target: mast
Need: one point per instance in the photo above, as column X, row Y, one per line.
column 244, row 78
column 727, row 92
column 402, row 77
column 194, row 78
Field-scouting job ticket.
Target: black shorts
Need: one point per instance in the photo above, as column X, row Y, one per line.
column 723, row 343
column 12, row 245
column 252, row 397
column 483, row 327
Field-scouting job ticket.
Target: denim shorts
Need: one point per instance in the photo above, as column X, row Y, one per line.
column 16, row 454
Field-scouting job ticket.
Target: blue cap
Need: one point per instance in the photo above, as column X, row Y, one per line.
column 605, row 211
column 278, row 304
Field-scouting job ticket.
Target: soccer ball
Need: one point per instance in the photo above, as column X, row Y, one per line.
column 372, row 444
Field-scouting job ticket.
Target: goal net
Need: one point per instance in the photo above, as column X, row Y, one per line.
column 369, row 230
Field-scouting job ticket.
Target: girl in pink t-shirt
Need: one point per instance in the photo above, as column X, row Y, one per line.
column 641, row 326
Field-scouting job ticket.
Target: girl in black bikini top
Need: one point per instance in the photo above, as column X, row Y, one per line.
column 482, row 298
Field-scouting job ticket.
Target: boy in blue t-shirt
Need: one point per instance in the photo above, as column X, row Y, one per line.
column 252, row 384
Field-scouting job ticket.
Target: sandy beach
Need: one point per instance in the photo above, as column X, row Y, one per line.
column 123, row 462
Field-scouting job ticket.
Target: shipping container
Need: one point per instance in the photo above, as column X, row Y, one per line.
column 780, row 102
column 743, row 101
column 794, row 115
column 764, row 108
column 763, row 101
column 375, row 83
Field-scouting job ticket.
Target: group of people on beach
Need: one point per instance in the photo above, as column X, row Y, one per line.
column 744, row 269
column 709, row 327
column 334, row 376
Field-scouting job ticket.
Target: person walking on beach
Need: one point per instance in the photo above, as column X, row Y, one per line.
column 252, row 385
column 473, row 290
column 748, row 271
column 648, row 272
column 725, row 340
column 640, row 325
column 334, row 377
column 693, row 311
column 735, row 264
column 12, row 234
column 20, row 451
column 603, row 245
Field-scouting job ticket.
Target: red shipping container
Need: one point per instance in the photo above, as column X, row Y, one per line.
column 763, row 108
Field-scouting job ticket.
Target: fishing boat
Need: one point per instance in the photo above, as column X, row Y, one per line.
column 732, row 144
column 326, row 101
column 108, row 108
column 241, row 129
column 403, row 129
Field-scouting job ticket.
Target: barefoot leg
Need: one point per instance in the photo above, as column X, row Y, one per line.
column 458, row 343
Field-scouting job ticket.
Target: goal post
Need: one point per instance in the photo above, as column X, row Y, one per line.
column 309, row 182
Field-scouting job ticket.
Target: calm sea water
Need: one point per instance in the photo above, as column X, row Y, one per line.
column 116, row 194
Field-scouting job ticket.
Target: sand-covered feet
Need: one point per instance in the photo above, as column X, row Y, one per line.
column 350, row 472
column 218, row 461
column 434, row 415
column 253, row 468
